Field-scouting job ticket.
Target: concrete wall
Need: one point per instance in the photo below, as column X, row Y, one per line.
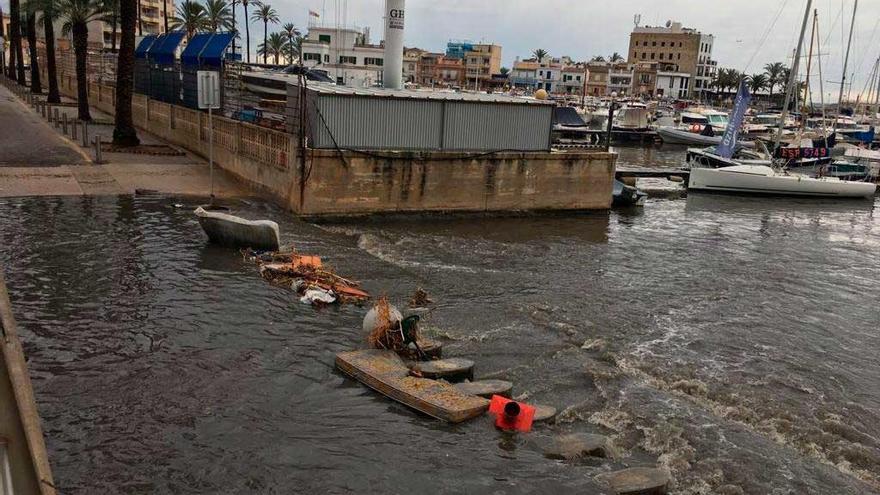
column 437, row 181
column 361, row 183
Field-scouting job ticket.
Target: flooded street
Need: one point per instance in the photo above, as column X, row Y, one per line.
column 733, row 340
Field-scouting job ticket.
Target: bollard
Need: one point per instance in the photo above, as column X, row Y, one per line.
column 55, row 116
column 64, row 123
column 85, row 133
column 98, row 158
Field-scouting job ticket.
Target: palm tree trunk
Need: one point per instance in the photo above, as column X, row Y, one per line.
column 80, row 51
column 36, row 86
column 113, row 21
column 265, row 37
column 165, row 13
column 15, row 37
column 233, row 27
column 140, row 21
column 276, row 58
column 51, row 69
column 124, row 133
column 247, row 33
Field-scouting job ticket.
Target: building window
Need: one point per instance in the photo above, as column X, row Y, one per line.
column 312, row 56
column 662, row 43
column 699, row 84
column 578, row 78
column 652, row 56
column 326, row 59
column 324, row 38
column 661, row 56
column 644, row 55
column 343, row 59
column 679, row 44
column 373, row 61
column 679, row 56
column 671, row 82
column 653, row 43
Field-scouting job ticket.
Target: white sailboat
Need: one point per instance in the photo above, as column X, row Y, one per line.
column 771, row 180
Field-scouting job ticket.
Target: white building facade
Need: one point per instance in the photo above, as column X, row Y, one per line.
column 346, row 54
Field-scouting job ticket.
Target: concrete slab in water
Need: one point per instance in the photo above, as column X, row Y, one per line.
column 575, row 445
column 450, row 369
column 486, row 388
column 637, row 481
column 544, row 413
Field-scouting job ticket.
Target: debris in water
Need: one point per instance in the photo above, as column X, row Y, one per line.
column 307, row 275
column 577, row 445
column 420, row 299
column 511, row 415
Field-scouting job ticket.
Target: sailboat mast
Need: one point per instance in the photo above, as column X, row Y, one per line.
column 846, row 61
column 793, row 77
column 821, row 87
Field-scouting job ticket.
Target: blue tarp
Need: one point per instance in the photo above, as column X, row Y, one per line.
column 163, row 50
column 144, row 46
column 190, row 55
column 206, row 49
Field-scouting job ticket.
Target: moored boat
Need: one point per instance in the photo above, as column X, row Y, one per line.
column 762, row 179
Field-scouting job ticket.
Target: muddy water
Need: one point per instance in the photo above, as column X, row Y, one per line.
column 733, row 341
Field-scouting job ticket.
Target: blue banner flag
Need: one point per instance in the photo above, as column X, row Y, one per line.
column 728, row 142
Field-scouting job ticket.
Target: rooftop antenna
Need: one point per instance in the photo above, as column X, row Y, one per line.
column 637, row 19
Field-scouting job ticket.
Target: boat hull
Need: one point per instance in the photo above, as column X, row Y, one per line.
column 233, row 231
column 671, row 135
column 764, row 180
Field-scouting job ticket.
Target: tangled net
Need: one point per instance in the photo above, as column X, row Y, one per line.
column 386, row 334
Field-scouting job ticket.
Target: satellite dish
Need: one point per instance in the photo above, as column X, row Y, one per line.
column 668, row 23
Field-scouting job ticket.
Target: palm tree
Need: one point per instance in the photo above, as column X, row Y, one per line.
column 539, row 54
column 757, row 82
column 265, row 14
column 31, row 16
column 165, row 13
column 76, row 15
column 774, row 74
column 48, row 17
column 274, row 46
column 123, row 130
column 16, row 67
column 140, row 20
column 503, row 71
column 190, row 17
column 112, row 17
column 597, row 58
column 615, row 57
column 247, row 29
column 234, row 34
column 218, row 17
column 291, row 34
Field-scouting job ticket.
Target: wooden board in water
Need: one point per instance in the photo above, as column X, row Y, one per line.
column 386, row 373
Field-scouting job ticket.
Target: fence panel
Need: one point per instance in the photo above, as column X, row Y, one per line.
column 265, row 146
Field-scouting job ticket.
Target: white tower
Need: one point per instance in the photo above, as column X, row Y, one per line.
column 393, row 72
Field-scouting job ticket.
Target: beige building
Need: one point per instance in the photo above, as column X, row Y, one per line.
column 411, row 61
column 151, row 16
column 481, row 60
column 684, row 50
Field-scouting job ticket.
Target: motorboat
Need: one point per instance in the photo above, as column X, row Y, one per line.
column 680, row 135
column 632, row 116
column 273, row 84
column 624, row 195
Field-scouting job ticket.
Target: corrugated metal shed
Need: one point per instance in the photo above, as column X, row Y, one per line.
column 375, row 118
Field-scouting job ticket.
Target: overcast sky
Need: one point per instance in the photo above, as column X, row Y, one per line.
column 584, row 28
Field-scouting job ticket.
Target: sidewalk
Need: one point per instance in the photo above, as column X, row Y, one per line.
column 38, row 159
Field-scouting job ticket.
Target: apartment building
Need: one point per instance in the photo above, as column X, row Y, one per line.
column 481, row 61
column 151, row 21
column 687, row 50
column 346, row 54
column 438, row 70
column 411, row 60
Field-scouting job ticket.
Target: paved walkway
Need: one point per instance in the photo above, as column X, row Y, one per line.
column 38, row 160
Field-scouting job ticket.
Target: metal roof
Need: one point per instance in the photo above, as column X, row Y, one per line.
column 410, row 94
column 144, row 46
column 206, row 49
column 163, row 49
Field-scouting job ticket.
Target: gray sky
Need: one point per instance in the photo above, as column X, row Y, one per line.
column 584, row 28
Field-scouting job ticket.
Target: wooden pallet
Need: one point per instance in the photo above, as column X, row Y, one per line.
column 386, row 373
